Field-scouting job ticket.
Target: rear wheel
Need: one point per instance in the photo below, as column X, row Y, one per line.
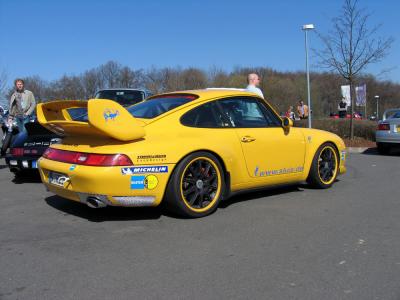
column 6, row 143
column 324, row 168
column 383, row 148
column 196, row 186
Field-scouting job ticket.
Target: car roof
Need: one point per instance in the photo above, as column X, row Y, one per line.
column 123, row 89
column 211, row 93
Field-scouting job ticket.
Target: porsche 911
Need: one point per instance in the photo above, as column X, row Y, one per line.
column 188, row 150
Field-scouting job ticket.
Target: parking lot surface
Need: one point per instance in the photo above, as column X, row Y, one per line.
column 286, row 243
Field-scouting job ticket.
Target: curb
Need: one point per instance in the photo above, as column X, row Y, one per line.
column 357, row 149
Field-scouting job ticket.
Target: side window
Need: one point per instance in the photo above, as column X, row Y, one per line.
column 205, row 116
column 272, row 119
column 246, row 112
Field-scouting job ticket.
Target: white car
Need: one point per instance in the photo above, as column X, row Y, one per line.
column 388, row 132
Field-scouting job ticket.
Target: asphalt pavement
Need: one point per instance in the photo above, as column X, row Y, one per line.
column 286, row 243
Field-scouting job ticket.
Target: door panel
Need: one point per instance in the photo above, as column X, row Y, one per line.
column 269, row 152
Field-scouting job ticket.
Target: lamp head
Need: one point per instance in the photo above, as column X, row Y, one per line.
column 308, row 27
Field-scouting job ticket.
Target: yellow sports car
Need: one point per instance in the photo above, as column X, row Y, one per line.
column 188, row 150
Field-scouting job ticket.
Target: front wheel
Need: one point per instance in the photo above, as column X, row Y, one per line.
column 196, row 186
column 325, row 167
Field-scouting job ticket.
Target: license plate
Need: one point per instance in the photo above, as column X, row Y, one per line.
column 58, row 178
column 34, row 164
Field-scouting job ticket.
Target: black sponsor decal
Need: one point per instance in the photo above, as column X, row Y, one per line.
column 153, row 157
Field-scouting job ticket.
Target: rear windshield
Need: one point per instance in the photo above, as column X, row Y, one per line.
column 123, row 97
column 158, row 105
column 396, row 115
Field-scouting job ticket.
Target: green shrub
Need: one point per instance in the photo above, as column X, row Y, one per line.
column 362, row 128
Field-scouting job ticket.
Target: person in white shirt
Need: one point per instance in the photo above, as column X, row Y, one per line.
column 253, row 81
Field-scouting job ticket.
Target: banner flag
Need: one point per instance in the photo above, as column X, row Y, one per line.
column 346, row 94
column 361, row 95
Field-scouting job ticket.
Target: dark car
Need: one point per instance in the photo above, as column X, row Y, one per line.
column 28, row 146
column 124, row 97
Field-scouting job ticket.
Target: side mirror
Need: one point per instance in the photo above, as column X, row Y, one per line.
column 287, row 123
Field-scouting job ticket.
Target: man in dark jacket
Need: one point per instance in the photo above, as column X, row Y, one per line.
column 342, row 108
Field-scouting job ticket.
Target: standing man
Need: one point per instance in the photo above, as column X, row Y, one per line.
column 253, row 82
column 302, row 110
column 342, row 108
column 22, row 104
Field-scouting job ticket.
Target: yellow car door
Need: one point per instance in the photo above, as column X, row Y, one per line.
column 272, row 154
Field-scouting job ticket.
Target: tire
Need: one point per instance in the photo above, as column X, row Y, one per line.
column 6, row 143
column 325, row 167
column 383, row 148
column 196, row 186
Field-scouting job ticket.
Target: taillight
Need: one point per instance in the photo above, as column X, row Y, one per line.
column 17, row 151
column 87, row 159
column 383, row 126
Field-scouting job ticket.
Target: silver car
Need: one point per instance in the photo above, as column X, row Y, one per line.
column 388, row 132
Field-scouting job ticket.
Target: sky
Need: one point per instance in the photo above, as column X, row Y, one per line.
column 53, row 38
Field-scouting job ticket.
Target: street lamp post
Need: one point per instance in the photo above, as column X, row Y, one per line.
column 306, row 28
column 377, row 107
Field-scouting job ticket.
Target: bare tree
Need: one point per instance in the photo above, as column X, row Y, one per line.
column 37, row 86
column 351, row 46
column 109, row 73
column 91, row 83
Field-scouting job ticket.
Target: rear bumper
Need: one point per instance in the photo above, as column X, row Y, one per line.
column 20, row 163
column 387, row 137
column 110, row 184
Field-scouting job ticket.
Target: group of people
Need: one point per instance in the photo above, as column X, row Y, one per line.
column 253, row 81
column 302, row 111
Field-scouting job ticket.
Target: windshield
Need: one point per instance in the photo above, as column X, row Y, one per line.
column 158, row 105
column 123, row 97
column 396, row 115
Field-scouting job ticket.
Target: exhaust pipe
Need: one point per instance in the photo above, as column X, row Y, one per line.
column 95, row 202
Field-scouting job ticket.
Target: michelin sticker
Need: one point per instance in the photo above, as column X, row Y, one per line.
column 145, row 169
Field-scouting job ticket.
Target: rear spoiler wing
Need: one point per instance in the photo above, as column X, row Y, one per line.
column 105, row 118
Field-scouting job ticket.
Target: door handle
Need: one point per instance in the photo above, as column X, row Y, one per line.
column 247, row 139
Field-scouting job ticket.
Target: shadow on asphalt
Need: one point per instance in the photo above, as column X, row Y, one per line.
column 111, row 213
column 27, row 177
column 108, row 213
column 374, row 151
column 266, row 192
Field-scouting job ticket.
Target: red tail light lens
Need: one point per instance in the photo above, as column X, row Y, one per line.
column 87, row 159
column 17, row 151
column 383, row 126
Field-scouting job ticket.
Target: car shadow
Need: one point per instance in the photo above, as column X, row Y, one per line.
column 262, row 193
column 113, row 213
column 28, row 177
column 374, row 151
column 109, row 213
